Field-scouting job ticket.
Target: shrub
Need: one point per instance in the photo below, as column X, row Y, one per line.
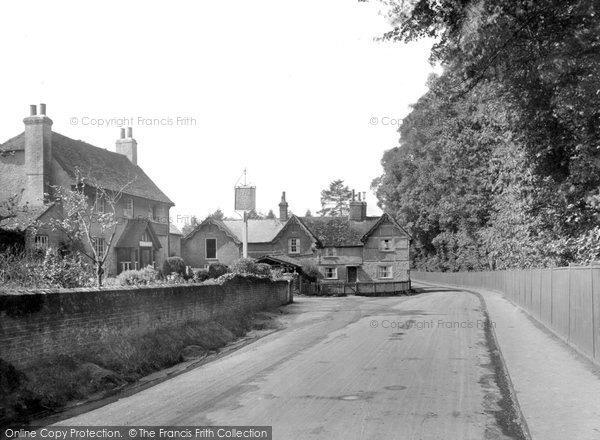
column 200, row 275
column 173, row 265
column 145, row 276
column 215, row 270
column 249, row 266
column 66, row 271
column 311, row 270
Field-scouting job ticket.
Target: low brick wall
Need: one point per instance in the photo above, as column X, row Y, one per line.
column 39, row 323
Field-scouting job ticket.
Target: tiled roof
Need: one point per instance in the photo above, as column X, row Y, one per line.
column 14, row 144
column 112, row 171
column 108, row 169
column 24, row 217
column 338, row 231
column 174, row 230
column 259, row 231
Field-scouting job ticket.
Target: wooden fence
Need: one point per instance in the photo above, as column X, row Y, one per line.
column 367, row 288
column 564, row 299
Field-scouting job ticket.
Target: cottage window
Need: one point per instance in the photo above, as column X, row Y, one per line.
column 41, row 242
column 386, row 244
column 211, row 248
column 385, row 272
column 294, row 245
column 331, row 273
column 128, row 208
column 330, row 252
column 99, row 246
column 145, row 237
column 100, row 204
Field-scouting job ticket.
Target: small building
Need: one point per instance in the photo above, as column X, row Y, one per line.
column 39, row 159
column 371, row 252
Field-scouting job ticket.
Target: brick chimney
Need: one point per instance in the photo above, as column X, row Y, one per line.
column 38, row 155
column 283, row 208
column 358, row 208
column 127, row 145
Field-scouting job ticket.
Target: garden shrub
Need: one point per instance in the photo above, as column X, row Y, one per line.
column 200, row 275
column 173, row 265
column 215, row 270
column 249, row 266
column 311, row 271
column 142, row 277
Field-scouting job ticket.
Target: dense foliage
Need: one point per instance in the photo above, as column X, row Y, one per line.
column 499, row 162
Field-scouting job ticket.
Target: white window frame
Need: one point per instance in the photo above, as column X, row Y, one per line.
column 128, row 207
column 334, row 273
column 216, row 257
column 382, row 246
column 99, row 244
column 330, row 252
column 41, row 242
column 389, row 272
column 293, row 245
column 100, row 204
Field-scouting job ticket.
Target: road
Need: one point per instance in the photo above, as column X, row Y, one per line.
column 414, row 367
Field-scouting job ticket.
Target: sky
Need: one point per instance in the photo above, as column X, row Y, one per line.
column 297, row 93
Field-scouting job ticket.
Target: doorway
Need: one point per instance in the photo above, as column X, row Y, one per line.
column 352, row 274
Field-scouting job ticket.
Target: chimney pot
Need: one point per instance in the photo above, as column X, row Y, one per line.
column 129, row 132
column 122, row 133
column 353, row 195
column 43, row 109
column 32, row 110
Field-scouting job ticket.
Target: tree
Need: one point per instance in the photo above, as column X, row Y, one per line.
column 88, row 216
column 271, row 214
column 308, row 213
column 335, row 200
column 253, row 215
column 217, row 215
column 190, row 226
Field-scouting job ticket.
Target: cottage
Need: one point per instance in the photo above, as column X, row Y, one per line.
column 35, row 161
column 357, row 249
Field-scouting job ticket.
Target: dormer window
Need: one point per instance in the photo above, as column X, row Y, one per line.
column 100, row 204
column 128, row 207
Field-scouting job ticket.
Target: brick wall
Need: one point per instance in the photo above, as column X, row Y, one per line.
column 65, row 321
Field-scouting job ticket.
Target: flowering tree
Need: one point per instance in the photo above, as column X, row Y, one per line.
column 89, row 215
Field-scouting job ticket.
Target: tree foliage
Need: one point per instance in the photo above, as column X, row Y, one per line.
column 499, row 162
column 335, row 200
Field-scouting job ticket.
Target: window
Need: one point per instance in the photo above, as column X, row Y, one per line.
column 331, row 273
column 385, row 272
column 294, row 246
column 211, row 248
column 100, row 203
column 41, row 242
column 386, row 244
column 145, row 237
column 128, row 208
column 330, row 252
column 99, row 246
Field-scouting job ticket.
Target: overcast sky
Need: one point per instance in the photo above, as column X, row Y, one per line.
column 285, row 89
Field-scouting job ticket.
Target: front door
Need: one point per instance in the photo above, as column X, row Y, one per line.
column 352, row 274
column 145, row 257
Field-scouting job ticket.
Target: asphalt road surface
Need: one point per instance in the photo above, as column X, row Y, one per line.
column 414, row 367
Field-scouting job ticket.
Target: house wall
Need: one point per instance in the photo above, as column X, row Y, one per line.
column 293, row 230
column 398, row 258
column 54, row 322
column 344, row 256
column 174, row 245
column 193, row 249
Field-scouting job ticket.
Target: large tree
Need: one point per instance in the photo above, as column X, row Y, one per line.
column 335, row 199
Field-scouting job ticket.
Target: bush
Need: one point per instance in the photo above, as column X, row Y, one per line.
column 142, row 277
column 215, row 270
column 200, row 275
column 249, row 266
column 65, row 272
column 173, row 265
column 311, row 271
